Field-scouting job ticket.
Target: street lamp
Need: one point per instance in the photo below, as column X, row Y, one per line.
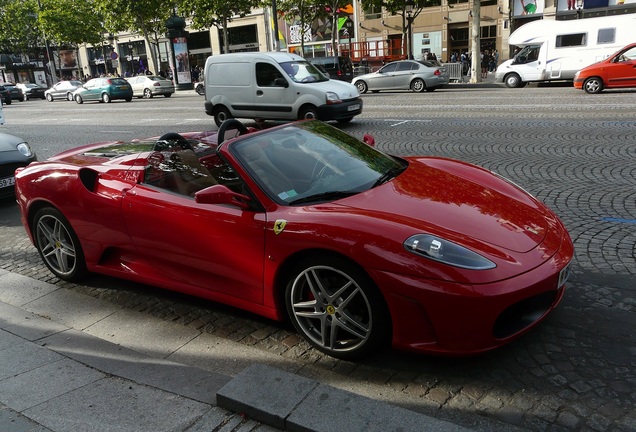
column 409, row 5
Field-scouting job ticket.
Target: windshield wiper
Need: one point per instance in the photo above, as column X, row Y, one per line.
column 390, row 174
column 324, row 196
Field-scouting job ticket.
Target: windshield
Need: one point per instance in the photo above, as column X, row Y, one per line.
column 303, row 72
column 313, row 162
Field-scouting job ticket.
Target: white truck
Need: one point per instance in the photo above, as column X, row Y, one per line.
column 555, row 50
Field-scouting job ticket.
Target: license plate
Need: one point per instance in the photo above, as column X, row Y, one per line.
column 564, row 275
column 7, row 181
column 354, row 107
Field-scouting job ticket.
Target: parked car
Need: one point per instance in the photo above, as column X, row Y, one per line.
column 14, row 92
column 616, row 71
column 360, row 249
column 32, row 91
column 147, row 86
column 104, row 90
column 14, row 153
column 336, row 67
column 62, row 90
column 404, row 75
column 5, row 95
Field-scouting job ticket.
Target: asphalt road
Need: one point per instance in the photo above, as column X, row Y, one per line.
column 574, row 151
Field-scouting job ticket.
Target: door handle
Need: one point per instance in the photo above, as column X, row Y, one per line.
column 259, row 92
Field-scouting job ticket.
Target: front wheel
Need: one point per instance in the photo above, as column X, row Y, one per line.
column 49, row 97
column 79, row 99
column 58, row 245
column 513, row 81
column 147, row 94
column 308, row 112
column 362, row 87
column 337, row 308
column 593, row 85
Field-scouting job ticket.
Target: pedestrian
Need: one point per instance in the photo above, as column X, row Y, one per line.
column 485, row 62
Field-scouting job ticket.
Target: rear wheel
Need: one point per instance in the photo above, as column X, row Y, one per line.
column 106, row 98
column 336, row 306
column 220, row 115
column 593, row 85
column 69, row 96
column 58, row 245
column 167, row 95
column 418, row 85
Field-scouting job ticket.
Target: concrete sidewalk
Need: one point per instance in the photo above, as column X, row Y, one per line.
column 72, row 363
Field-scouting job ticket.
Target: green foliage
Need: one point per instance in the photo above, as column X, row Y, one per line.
column 70, row 22
column 19, row 30
column 209, row 13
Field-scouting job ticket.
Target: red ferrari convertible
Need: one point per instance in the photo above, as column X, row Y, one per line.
column 358, row 248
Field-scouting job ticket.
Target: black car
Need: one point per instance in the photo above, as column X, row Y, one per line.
column 32, row 91
column 5, row 95
column 15, row 92
column 14, row 153
column 338, row 67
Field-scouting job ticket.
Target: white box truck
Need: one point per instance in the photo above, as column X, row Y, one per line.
column 552, row 50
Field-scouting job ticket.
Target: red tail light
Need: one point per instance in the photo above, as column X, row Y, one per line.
column 437, row 72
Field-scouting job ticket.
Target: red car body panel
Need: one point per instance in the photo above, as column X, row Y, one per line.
column 131, row 230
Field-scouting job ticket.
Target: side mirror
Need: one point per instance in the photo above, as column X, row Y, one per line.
column 220, row 194
column 369, row 140
column 281, row 82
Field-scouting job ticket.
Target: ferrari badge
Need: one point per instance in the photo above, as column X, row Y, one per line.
column 279, row 226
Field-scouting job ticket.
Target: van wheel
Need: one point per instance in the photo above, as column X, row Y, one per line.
column 593, row 85
column 345, row 120
column 308, row 113
column 362, row 86
column 220, row 115
column 513, row 81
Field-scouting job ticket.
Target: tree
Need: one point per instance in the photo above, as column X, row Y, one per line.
column 216, row 13
column 146, row 17
column 19, row 27
column 305, row 12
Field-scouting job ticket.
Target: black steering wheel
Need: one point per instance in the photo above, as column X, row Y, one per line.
column 230, row 124
column 169, row 138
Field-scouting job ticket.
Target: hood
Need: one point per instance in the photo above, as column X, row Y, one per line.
column 111, row 153
column 455, row 200
column 9, row 142
column 344, row 90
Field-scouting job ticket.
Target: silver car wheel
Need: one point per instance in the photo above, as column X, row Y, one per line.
column 593, row 85
column 418, row 85
column 57, row 245
column 147, row 94
column 336, row 310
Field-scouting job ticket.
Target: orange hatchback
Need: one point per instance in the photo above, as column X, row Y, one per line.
column 616, row 71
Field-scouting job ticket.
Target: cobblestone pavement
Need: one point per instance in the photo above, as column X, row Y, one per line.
column 575, row 152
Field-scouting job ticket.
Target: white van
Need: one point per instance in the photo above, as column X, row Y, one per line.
column 556, row 50
column 275, row 86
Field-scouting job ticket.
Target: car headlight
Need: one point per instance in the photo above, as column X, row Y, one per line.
column 25, row 149
column 332, row 98
column 444, row 251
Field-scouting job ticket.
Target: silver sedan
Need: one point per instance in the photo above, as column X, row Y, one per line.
column 404, row 75
column 147, row 86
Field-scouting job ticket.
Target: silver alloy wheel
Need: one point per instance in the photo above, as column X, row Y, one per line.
column 147, row 94
column 418, row 85
column 513, row 81
column 593, row 85
column 331, row 309
column 56, row 245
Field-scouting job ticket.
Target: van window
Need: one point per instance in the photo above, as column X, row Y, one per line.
column 571, row 40
column 228, row 74
column 266, row 75
column 607, row 35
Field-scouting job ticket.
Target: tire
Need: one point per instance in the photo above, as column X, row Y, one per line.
column 49, row 97
column 167, row 95
column 200, row 90
column 221, row 114
column 79, row 99
column 362, row 87
column 337, row 308
column 345, row 120
column 106, row 98
column 58, row 245
column 593, row 85
column 513, row 81
column 7, row 101
column 147, row 94
column 418, row 85
column 308, row 112
column 69, row 96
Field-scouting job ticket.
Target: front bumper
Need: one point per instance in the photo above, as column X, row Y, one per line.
column 344, row 110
